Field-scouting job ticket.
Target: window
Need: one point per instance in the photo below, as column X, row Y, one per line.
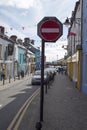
column 10, row 49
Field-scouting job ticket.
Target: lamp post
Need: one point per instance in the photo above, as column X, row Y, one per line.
column 57, row 59
column 69, row 21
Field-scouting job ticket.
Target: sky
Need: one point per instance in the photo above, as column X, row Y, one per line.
column 20, row 17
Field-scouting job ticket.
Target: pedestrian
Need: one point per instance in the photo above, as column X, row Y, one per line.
column 18, row 74
column 22, row 73
column 2, row 76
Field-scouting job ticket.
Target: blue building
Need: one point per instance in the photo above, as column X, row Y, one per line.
column 84, row 48
column 29, row 44
column 38, row 59
column 22, row 63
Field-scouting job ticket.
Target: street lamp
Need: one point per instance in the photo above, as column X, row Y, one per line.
column 57, row 59
column 69, row 21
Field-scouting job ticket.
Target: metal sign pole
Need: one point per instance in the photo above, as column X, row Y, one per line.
column 42, row 82
column 38, row 124
column 47, row 34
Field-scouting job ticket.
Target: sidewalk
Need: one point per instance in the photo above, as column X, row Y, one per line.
column 65, row 108
column 13, row 81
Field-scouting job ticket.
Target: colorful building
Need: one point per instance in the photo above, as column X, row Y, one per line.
column 22, row 59
column 74, row 59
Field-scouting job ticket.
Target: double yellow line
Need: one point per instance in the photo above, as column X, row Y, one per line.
column 19, row 116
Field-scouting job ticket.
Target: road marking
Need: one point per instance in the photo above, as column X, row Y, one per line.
column 23, row 113
column 29, row 87
column 19, row 116
column 22, row 92
column 0, row 105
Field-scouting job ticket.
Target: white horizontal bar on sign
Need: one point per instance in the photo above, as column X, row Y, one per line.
column 50, row 30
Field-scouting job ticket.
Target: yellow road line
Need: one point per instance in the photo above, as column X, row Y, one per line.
column 22, row 111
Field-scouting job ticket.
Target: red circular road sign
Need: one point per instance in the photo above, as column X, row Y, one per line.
column 50, row 29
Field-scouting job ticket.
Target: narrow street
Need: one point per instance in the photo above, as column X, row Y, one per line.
column 12, row 99
column 64, row 106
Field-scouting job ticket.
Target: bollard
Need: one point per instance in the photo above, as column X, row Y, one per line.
column 38, row 126
column 3, row 76
column 46, row 88
column 14, row 78
column 19, row 76
column 48, row 85
column 3, row 81
column 9, row 78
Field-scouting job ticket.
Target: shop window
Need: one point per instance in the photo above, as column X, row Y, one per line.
column 10, row 49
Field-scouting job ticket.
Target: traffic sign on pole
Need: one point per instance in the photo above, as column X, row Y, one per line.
column 50, row 29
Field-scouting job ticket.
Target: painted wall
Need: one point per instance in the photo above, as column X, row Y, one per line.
column 38, row 59
column 84, row 48
column 22, row 65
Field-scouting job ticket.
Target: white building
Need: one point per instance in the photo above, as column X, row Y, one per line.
column 74, row 45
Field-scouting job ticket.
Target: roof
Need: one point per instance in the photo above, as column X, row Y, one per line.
column 30, row 52
column 21, row 46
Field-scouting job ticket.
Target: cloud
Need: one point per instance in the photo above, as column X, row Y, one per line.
column 24, row 13
column 18, row 3
column 10, row 15
column 54, row 51
column 28, row 13
column 10, row 32
column 40, row 8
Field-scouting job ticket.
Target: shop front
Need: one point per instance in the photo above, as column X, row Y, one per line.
column 69, row 67
column 76, row 63
column 75, row 67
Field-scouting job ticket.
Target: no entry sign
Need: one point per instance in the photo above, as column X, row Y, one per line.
column 50, row 29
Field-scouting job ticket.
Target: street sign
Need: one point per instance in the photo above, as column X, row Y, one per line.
column 50, row 29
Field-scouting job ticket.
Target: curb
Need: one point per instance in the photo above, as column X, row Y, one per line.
column 12, row 82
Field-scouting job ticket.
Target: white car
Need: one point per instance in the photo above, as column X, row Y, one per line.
column 36, row 78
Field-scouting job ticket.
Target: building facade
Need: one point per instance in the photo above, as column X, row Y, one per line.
column 6, row 55
column 74, row 59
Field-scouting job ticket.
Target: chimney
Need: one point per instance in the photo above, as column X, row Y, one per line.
column 27, row 40
column 2, row 30
column 20, row 41
column 32, row 42
column 14, row 38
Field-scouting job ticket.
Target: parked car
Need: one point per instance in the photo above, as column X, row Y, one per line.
column 51, row 72
column 36, row 78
